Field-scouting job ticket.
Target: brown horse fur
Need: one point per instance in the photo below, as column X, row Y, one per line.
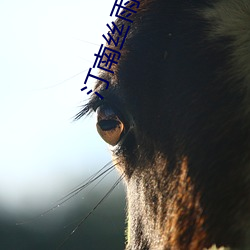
column 182, row 90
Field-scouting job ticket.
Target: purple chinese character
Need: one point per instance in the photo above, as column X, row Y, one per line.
column 115, row 28
column 98, row 78
column 107, row 59
column 127, row 9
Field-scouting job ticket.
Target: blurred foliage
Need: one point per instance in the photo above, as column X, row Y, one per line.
column 103, row 230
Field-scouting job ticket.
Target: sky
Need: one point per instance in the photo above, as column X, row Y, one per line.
column 47, row 46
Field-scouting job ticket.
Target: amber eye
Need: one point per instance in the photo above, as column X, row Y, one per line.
column 109, row 126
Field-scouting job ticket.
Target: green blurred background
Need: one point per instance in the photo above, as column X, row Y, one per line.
column 104, row 229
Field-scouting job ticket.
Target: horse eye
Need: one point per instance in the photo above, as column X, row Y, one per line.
column 108, row 125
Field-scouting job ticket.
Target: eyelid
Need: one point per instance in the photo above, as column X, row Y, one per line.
column 107, row 104
column 105, row 111
column 96, row 104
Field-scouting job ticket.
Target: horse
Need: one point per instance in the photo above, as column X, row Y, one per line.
column 176, row 114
